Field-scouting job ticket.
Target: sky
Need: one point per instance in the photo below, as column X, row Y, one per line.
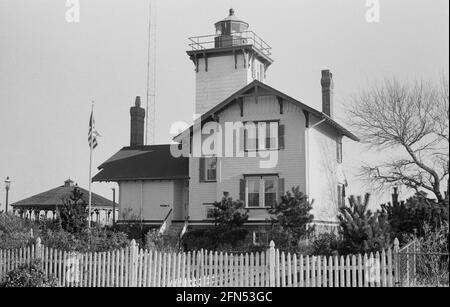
column 51, row 70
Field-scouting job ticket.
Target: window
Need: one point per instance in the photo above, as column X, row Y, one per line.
column 210, row 213
column 253, row 186
column 261, row 191
column 260, row 238
column 251, row 137
column 339, row 150
column 270, row 191
column 211, row 169
column 262, row 136
column 208, row 169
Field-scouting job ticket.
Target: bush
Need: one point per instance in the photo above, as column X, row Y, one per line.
column 363, row 231
column 94, row 240
column 203, row 238
column 230, row 214
column 15, row 232
column 433, row 262
column 164, row 243
column 27, row 276
column 216, row 239
column 228, row 232
column 326, row 244
column 291, row 220
column 408, row 218
column 134, row 231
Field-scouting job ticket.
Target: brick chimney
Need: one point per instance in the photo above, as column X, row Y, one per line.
column 137, row 123
column 327, row 93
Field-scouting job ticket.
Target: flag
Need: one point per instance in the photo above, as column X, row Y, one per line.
column 162, row 230
column 185, row 227
column 92, row 134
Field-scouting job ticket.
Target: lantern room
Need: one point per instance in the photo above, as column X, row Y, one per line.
column 227, row 61
column 229, row 31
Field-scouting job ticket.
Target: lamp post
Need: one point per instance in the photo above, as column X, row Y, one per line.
column 7, row 186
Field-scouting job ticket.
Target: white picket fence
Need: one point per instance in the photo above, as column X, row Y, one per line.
column 135, row 267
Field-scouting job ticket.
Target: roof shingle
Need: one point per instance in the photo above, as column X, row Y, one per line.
column 143, row 163
column 56, row 196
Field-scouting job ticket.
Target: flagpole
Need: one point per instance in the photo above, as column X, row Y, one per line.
column 91, row 144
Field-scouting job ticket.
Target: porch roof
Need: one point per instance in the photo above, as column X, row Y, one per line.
column 143, row 163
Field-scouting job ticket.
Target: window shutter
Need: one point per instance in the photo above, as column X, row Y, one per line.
column 202, row 169
column 242, row 190
column 339, row 150
column 340, row 196
column 281, row 141
column 281, row 190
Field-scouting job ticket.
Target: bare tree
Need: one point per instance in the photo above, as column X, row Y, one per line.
column 412, row 121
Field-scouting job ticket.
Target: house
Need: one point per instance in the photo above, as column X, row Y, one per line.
column 251, row 142
column 46, row 204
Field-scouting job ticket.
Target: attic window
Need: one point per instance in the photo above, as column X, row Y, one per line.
column 260, row 136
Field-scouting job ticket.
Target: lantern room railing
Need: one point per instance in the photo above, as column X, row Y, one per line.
column 199, row 43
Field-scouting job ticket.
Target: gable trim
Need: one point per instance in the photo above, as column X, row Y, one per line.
column 260, row 89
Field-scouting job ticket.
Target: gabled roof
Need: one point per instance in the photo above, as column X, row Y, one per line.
column 143, row 163
column 258, row 88
column 56, row 196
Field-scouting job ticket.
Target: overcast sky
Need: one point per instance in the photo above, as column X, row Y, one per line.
column 50, row 70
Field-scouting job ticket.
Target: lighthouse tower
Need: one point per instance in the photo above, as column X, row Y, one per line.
column 227, row 61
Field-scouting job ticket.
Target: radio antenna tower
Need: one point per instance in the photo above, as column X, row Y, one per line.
column 151, row 77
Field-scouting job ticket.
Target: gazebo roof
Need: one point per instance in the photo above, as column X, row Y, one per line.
column 56, row 196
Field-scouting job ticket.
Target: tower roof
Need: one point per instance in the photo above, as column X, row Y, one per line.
column 231, row 18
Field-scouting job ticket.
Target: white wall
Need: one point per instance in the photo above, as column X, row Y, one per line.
column 322, row 166
column 221, row 80
column 153, row 198
column 291, row 161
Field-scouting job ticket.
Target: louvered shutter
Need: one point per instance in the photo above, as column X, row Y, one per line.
column 202, row 169
column 242, row 190
column 281, row 190
column 281, row 133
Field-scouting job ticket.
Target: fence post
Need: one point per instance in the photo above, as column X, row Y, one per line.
column 272, row 264
column 397, row 262
column 38, row 252
column 133, row 264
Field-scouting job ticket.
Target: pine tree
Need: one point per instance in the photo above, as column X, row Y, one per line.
column 408, row 218
column 292, row 217
column 73, row 214
column 362, row 230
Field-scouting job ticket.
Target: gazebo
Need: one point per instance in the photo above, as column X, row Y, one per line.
column 46, row 204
